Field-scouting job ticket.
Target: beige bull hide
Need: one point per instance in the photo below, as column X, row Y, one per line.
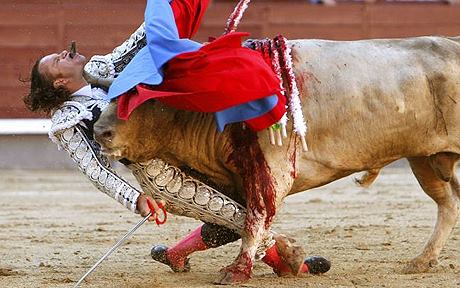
column 367, row 103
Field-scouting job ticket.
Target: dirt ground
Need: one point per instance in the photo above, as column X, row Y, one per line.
column 55, row 225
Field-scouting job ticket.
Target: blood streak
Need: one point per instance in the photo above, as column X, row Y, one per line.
column 255, row 173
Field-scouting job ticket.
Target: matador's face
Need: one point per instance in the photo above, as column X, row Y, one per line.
column 56, row 66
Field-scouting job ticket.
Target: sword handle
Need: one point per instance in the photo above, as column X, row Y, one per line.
column 153, row 210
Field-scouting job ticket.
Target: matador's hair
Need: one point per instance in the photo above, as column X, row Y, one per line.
column 43, row 96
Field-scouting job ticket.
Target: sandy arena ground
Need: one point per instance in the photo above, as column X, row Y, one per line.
column 55, row 225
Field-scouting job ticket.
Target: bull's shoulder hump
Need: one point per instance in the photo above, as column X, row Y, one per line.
column 455, row 39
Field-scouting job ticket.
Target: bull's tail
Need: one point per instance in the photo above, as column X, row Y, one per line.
column 368, row 178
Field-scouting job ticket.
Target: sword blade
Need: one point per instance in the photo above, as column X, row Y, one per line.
column 121, row 241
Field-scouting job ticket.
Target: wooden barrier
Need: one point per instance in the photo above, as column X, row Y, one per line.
column 32, row 28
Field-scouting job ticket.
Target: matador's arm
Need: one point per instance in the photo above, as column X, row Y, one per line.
column 102, row 70
column 71, row 131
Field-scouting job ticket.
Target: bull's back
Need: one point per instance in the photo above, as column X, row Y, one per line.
column 456, row 39
column 370, row 102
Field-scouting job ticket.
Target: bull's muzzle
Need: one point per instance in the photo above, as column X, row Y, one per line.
column 103, row 135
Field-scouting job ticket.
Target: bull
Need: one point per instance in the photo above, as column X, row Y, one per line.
column 367, row 103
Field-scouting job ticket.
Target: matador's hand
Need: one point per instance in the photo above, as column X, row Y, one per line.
column 144, row 208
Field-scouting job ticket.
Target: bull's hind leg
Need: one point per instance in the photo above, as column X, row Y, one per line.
column 437, row 177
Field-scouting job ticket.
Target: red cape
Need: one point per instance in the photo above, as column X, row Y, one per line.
column 188, row 15
column 220, row 75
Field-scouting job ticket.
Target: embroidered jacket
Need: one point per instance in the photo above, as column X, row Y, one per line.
column 72, row 130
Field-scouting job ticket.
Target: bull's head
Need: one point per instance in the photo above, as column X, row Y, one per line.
column 125, row 139
column 105, row 133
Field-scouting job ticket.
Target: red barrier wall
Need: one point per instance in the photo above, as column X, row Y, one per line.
column 31, row 28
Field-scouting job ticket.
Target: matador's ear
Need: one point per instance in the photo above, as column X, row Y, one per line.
column 60, row 82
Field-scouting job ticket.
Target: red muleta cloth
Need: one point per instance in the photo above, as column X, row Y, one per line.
column 220, row 75
column 188, row 15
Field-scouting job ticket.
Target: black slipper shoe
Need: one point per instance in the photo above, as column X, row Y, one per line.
column 317, row 264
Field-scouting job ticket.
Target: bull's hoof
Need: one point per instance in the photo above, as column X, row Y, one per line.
column 317, row 264
column 239, row 271
column 313, row 265
column 293, row 255
column 158, row 253
column 419, row 266
column 231, row 276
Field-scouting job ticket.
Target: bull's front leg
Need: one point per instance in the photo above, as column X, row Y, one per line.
column 240, row 270
column 264, row 186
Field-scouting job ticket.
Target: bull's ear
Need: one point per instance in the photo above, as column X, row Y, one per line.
column 60, row 82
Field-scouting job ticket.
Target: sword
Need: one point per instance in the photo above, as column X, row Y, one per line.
column 126, row 236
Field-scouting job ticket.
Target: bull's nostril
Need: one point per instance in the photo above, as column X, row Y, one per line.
column 107, row 135
column 102, row 134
